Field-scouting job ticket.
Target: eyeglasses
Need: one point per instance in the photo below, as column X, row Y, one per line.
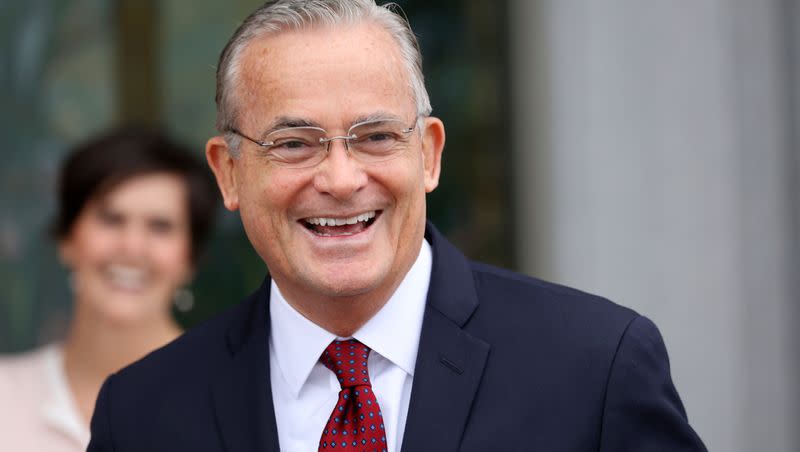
column 306, row 146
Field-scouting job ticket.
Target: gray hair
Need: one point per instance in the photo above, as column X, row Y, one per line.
column 288, row 15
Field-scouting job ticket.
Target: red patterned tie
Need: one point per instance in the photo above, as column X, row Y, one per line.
column 356, row 423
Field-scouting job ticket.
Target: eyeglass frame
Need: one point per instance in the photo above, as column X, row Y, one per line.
column 326, row 139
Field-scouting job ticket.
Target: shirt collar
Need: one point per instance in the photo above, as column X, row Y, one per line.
column 393, row 332
column 58, row 410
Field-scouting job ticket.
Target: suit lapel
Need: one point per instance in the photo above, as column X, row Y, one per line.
column 241, row 394
column 450, row 361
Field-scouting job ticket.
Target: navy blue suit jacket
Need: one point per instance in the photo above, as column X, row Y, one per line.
column 505, row 363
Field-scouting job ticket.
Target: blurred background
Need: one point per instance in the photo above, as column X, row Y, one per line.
column 647, row 151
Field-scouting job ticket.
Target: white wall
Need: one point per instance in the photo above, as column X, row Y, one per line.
column 655, row 166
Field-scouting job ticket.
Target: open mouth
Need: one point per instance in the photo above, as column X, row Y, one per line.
column 126, row 277
column 333, row 227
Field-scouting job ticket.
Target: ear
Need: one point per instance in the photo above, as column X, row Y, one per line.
column 223, row 165
column 432, row 147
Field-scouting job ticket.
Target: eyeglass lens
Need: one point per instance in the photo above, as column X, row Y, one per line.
column 367, row 142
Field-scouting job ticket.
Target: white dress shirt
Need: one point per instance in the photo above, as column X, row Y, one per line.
column 304, row 391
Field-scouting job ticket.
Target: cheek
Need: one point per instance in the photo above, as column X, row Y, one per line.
column 173, row 257
column 268, row 196
column 406, row 182
column 254, row 185
column 91, row 248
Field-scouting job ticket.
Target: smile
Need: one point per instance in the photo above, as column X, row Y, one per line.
column 341, row 226
column 126, row 277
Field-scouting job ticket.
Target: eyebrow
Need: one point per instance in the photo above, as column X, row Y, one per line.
column 287, row 122
column 375, row 117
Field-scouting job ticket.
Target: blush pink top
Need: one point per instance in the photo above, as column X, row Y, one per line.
column 37, row 411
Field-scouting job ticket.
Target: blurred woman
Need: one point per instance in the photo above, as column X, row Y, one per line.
column 134, row 209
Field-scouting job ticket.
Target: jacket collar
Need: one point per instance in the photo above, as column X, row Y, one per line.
column 452, row 290
column 451, row 361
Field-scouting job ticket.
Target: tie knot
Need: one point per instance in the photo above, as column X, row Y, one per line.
column 348, row 361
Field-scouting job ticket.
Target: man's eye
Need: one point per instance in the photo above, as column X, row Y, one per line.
column 291, row 143
column 380, row 136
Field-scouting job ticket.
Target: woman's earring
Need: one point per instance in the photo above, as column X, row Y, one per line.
column 183, row 300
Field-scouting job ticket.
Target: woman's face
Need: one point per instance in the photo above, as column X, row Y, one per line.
column 130, row 249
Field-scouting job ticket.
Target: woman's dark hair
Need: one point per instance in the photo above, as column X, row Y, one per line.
column 96, row 167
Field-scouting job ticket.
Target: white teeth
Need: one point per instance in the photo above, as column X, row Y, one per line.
column 341, row 221
column 126, row 276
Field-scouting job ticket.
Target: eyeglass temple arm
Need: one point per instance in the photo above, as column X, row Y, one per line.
column 260, row 143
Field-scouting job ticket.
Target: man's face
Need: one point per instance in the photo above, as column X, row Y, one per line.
column 332, row 78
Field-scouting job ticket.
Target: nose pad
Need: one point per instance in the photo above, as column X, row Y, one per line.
column 328, row 142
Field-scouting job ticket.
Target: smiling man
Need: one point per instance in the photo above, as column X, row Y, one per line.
column 372, row 331
column 331, row 178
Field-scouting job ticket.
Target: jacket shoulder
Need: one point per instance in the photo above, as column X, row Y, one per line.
column 517, row 312
column 509, row 290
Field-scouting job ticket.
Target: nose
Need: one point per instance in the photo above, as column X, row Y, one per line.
column 339, row 175
column 133, row 242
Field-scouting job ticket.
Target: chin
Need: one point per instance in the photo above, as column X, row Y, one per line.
column 130, row 311
column 347, row 285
